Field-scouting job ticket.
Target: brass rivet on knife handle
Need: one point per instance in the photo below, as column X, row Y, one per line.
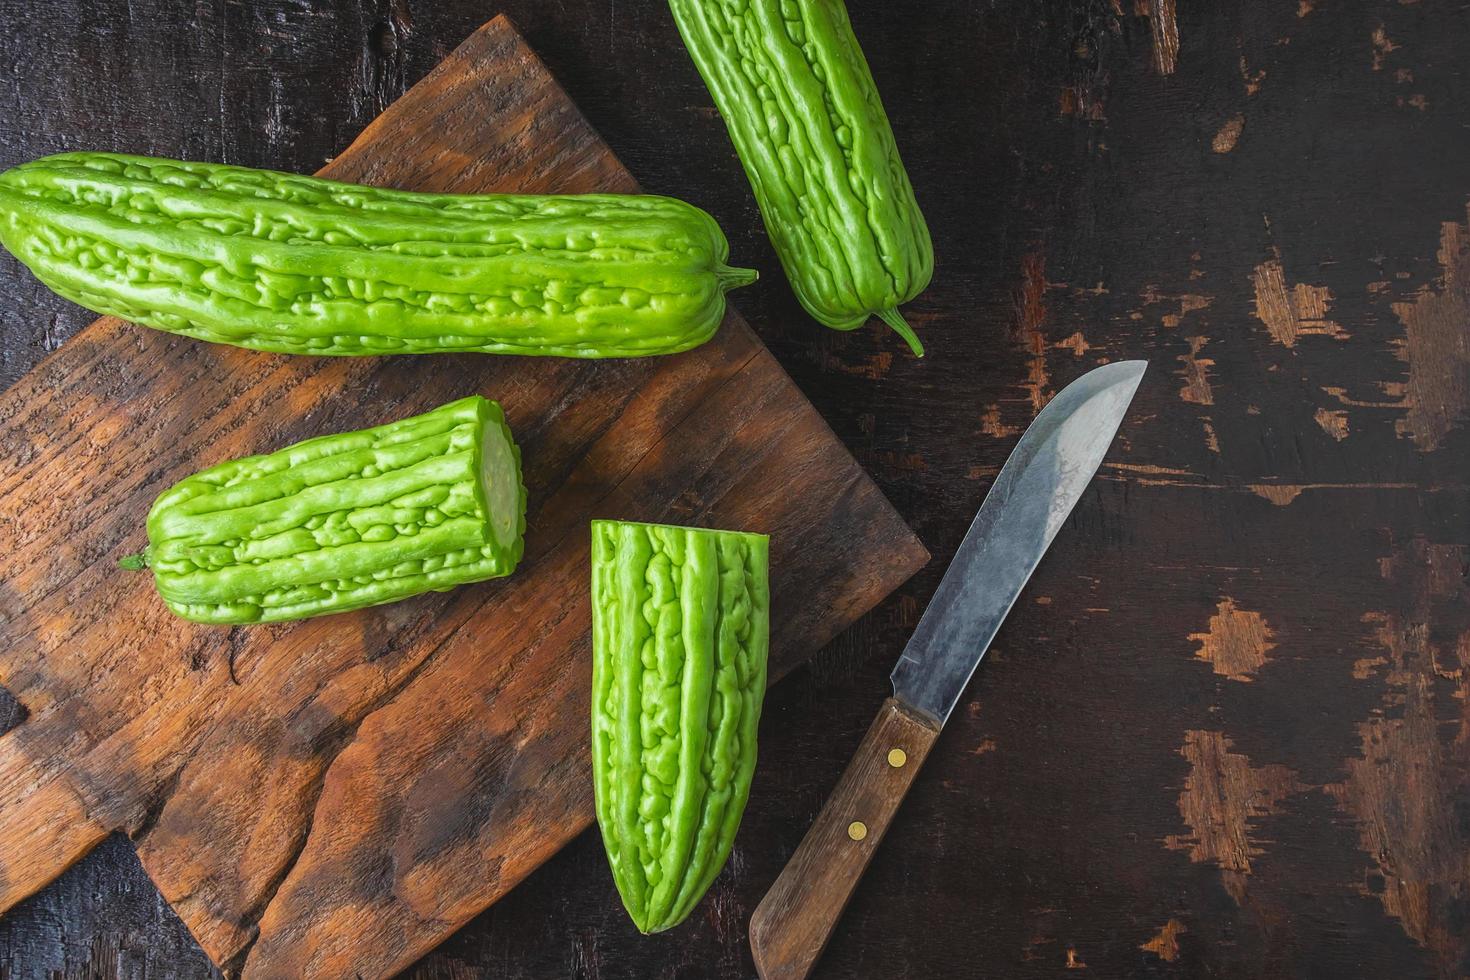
column 793, row 922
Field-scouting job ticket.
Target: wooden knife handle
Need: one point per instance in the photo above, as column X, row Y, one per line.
column 793, row 922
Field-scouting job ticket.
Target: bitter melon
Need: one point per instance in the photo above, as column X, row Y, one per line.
column 806, row 120
column 342, row 521
column 680, row 624
column 292, row 264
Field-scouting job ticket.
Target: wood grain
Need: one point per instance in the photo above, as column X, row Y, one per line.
column 792, row 924
column 335, row 797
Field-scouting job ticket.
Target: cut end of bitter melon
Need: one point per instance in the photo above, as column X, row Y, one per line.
column 500, row 478
column 900, row 326
column 343, row 521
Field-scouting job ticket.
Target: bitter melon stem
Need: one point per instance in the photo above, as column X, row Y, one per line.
column 134, row 563
column 895, row 320
column 732, row 277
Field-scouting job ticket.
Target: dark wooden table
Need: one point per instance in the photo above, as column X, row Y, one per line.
column 1226, row 732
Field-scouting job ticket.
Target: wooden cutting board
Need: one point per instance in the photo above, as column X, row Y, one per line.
column 335, row 797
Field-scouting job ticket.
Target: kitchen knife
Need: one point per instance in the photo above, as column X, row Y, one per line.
column 1027, row 504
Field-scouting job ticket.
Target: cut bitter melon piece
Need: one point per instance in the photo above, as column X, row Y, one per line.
column 680, row 632
column 343, row 521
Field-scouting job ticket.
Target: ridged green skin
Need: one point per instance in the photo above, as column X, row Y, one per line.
column 299, row 265
column 680, row 628
column 342, row 521
column 807, row 122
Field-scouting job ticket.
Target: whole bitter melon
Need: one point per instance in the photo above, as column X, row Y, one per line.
column 802, row 109
column 292, row 264
column 343, row 521
column 680, row 624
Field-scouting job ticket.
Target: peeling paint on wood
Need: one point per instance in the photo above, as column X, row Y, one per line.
column 1382, row 47
column 1031, row 315
column 1223, row 797
column 1341, row 395
column 1252, row 79
column 1334, row 422
column 1406, row 787
column 1363, row 667
column 1212, row 441
column 1076, row 343
column 991, row 425
column 1228, row 134
column 1188, row 303
column 1196, row 374
column 1439, row 568
column 1164, row 24
column 1165, row 945
column 1082, row 102
column 1236, row 641
column 1291, row 312
column 1436, row 344
column 1280, row 494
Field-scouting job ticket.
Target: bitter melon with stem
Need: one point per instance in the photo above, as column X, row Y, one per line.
column 291, row 264
column 342, row 521
column 680, row 630
column 804, row 114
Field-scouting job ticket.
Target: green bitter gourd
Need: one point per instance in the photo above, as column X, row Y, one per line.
column 680, row 624
column 805, row 117
column 342, row 521
column 291, row 264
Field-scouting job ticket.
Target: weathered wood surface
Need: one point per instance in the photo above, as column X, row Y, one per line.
column 333, row 798
column 1225, row 733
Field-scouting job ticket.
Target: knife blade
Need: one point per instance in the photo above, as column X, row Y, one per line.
column 1037, row 488
column 1031, row 498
